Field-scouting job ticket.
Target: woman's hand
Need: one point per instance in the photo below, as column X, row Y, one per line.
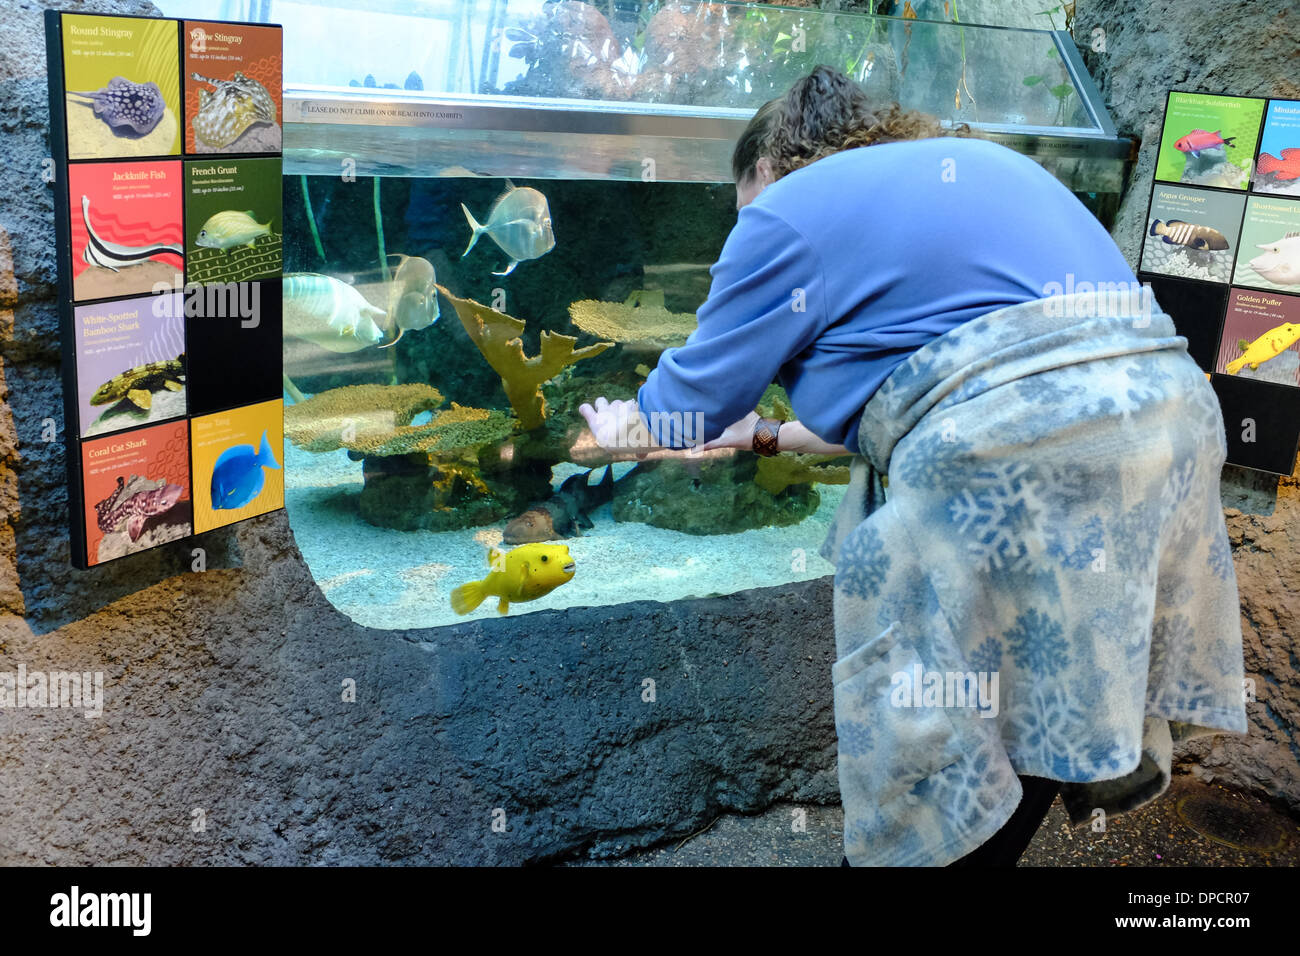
column 617, row 425
column 793, row 436
column 737, row 435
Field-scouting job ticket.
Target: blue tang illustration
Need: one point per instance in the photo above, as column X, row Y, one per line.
column 237, row 476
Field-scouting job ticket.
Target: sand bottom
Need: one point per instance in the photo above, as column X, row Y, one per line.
column 89, row 137
column 126, row 414
column 96, row 282
column 399, row 579
column 258, row 138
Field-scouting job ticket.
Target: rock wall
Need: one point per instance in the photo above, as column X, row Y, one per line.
column 225, row 737
column 1137, row 51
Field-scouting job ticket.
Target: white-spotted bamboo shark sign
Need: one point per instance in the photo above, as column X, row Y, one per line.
column 166, row 138
column 1222, row 253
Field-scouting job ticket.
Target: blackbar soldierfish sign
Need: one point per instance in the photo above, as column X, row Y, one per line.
column 166, row 137
column 1222, row 253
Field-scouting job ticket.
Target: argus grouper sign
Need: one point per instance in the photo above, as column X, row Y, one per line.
column 166, row 139
column 1222, row 253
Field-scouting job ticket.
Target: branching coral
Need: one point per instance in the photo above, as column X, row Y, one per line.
column 779, row 472
column 641, row 319
column 497, row 336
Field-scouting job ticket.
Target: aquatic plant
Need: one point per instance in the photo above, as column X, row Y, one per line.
column 311, row 219
column 379, row 232
column 640, row 318
column 498, row 337
column 1066, row 9
column 950, row 8
column 779, row 472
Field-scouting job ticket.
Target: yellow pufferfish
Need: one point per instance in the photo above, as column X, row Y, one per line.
column 524, row 573
column 1269, row 345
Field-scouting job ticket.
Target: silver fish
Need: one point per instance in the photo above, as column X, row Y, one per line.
column 520, row 223
column 329, row 313
column 113, row 255
column 412, row 299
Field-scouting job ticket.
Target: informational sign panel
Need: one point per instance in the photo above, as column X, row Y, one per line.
column 166, row 139
column 1222, row 254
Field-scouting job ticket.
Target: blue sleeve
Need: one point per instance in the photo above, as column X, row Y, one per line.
column 767, row 304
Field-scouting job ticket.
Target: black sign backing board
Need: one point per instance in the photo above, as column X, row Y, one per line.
column 135, row 101
column 1221, row 251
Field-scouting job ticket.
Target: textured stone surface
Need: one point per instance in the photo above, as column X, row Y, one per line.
column 224, row 688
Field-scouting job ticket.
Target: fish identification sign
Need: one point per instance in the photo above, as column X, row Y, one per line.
column 1221, row 251
column 166, row 141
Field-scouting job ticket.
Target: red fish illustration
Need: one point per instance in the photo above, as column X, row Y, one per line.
column 1199, row 139
column 1286, row 168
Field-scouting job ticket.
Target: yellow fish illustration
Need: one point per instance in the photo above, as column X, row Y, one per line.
column 524, row 573
column 1269, row 345
column 229, row 228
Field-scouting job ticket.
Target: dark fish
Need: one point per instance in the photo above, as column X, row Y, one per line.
column 136, row 106
column 565, row 513
column 1177, row 232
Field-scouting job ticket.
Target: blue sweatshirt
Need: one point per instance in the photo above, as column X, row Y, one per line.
column 838, row 271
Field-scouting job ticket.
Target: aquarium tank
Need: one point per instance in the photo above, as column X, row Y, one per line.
column 495, row 212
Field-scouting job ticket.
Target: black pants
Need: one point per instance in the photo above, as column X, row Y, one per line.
column 1006, row 846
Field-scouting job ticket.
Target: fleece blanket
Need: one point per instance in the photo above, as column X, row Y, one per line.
column 1033, row 576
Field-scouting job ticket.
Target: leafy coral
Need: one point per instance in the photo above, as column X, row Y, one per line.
column 778, row 472
column 775, row 403
column 641, row 319
column 376, row 420
column 356, row 415
column 497, row 336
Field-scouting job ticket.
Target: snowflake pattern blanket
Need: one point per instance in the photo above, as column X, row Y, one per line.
column 1042, row 584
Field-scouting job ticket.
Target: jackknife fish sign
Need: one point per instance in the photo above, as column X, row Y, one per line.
column 1221, row 251
column 170, row 301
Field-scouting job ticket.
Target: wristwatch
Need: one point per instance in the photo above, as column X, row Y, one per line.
column 765, row 436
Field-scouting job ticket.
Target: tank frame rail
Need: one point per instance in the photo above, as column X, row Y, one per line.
column 387, row 132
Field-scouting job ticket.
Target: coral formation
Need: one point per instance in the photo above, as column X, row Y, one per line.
column 713, row 495
column 368, row 413
column 375, row 420
column 775, row 403
column 497, row 336
column 641, row 319
column 779, row 472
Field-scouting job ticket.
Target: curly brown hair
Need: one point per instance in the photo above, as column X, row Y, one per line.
column 824, row 113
